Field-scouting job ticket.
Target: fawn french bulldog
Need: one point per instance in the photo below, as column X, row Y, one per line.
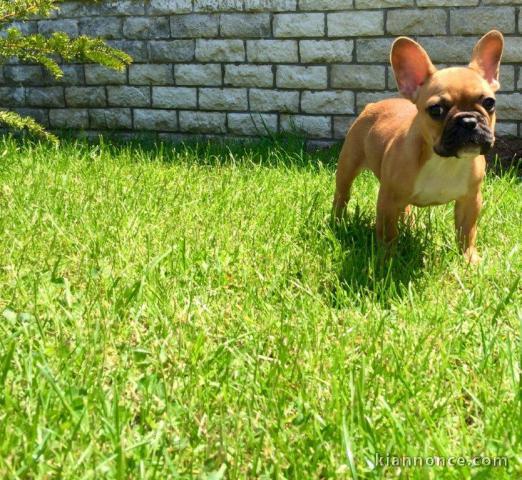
column 428, row 147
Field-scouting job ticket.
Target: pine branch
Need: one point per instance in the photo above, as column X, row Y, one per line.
column 39, row 49
column 47, row 50
column 22, row 9
column 17, row 122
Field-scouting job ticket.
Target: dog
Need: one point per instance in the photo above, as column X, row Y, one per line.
column 428, row 147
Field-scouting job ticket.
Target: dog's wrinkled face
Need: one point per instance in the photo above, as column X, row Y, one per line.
column 456, row 105
column 457, row 111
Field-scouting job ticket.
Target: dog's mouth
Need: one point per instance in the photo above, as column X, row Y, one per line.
column 464, row 134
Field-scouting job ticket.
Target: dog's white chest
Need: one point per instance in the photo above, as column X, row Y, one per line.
column 442, row 179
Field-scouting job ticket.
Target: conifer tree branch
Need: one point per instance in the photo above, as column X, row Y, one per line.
column 22, row 9
column 15, row 121
column 47, row 51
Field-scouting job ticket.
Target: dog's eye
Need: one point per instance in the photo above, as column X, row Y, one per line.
column 437, row 112
column 489, row 104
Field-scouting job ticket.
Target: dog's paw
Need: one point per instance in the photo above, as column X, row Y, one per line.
column 472, row 257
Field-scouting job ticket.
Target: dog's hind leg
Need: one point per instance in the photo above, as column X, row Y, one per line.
column 351, row 161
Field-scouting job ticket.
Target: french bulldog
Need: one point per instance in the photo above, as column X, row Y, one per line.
column 428, row 147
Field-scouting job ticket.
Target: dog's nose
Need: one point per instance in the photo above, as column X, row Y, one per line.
column 469, row 123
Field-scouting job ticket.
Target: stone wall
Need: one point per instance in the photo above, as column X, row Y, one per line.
column 246, row 67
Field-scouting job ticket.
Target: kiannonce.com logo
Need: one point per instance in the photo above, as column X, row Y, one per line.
column 435, row 461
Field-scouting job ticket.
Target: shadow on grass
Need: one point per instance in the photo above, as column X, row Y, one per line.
column 288, row 150
column 274, row 151
column 506, row 157
column 505, row 167
column 367, row 270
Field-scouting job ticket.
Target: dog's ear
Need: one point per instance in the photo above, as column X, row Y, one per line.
column 486, row 57
column 411, row 66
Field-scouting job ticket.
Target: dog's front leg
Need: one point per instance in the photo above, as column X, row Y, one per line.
column 389, row 212
column 467, row 211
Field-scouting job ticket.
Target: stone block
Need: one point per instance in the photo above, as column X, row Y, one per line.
column 326, row 51
column 417, row 22
column 341, row 124
column 111, row 118
column 124, row 7
column 174, row 97
column 26, row 28
column 254, row 124
column 449, row 49
column 218, row 6
column 270, row 5
column 128, row 96
column 447, row 3
column 44, row 97
column 512, row 49
column 506, row 128
column 329, row 102
column 299, row 25
column 157, row 120
column 151, row 74
column 103, row 27
column 85, row 97
column 68, row 26
column 364, row 98
column 223, row 99
column 507, row 78
column 100, row 75
column 198, row 74
column 12, row 96
column 374, row 50
column 146, row 28
column 65, row 118
column 312, row 126
column 81, row 8
column 262, row 100
column 383, row 3
column 290, row 76
column 249, row 75
column 169, row 51
column 352, row 24
column 72, row 75
column 501, row 2
column 220, row 50
column 359, row 77
column 268, row 51
column 23, row 74
column 137, row 49
column 169, row 7
column 480, row 20
column 194, row 25
column 509, row 106
column 244, row 25
column 41, row 115
column 325, row 5
column 202, row 122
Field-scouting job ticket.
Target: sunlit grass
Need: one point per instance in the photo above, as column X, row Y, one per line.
column 191, row 312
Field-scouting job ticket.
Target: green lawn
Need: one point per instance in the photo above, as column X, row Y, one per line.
column 191, row 313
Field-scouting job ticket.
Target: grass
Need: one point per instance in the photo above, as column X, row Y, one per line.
column 191, row 313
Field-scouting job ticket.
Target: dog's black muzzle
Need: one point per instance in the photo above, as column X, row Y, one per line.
column 465, row 129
